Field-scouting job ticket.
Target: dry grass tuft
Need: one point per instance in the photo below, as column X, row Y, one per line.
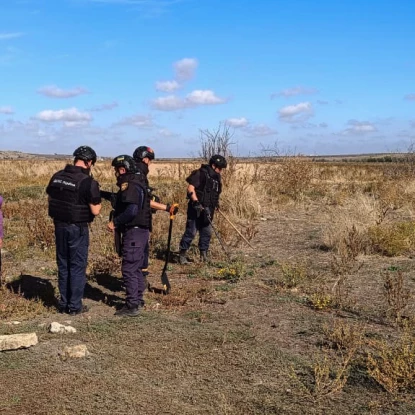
column 15, row 306
column 393, row 366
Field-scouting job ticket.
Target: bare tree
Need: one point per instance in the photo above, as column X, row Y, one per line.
column 217, row 141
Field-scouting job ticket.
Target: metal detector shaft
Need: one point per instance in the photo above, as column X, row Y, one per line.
column 236, row 229
column 217, row 235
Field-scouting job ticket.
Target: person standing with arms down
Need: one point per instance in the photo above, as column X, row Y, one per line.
column 74, row 201
column 143, row 156
column 132, row 218
column 203, row 190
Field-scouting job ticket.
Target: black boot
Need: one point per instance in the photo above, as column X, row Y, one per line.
column 182, row 258
column 128, row 312
column 203, row 256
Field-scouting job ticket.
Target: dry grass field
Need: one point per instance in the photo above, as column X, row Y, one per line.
column 318, row 318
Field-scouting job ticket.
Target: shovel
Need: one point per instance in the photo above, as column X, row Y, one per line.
column 164, row 277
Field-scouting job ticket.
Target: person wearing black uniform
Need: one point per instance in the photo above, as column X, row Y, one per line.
column 132, row 217
column 203, row 190
column 74, row 201
column 143, row 156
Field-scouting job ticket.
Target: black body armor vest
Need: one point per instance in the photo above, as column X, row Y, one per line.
column 210, row 189
column 65, row 203
column 130, row 195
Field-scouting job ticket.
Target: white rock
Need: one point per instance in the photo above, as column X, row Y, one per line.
column 75, row 351
column 55, row 327
column 18, row 341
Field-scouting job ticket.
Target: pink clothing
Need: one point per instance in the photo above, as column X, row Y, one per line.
column 1, row 218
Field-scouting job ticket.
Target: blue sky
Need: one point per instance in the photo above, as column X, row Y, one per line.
column 316, row 77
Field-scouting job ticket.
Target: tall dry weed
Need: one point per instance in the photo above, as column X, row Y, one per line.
column 393, row 365
column 290, row 175
column 346, row 227
column 397, row 294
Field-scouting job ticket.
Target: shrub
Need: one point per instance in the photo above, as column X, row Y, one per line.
column 393, row 366
column 392, row 239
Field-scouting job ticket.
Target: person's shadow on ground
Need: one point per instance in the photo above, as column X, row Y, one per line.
column 109, row 282
column 96, row 294
column 32, row 288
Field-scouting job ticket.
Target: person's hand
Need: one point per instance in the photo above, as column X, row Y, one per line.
column 198, row 207
column 110, row 226
column 172, row 209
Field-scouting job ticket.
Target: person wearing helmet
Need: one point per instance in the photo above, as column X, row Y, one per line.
column 74, row 201
column 203, row 190
column 132, row 218
column 143, row 157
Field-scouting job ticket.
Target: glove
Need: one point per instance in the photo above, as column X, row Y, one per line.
column 155, row 198
column 172, row 209
column 198, row 207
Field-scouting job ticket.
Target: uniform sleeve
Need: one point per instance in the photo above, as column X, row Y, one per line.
column 95, row 195
column 194, row 179
column 48, row 186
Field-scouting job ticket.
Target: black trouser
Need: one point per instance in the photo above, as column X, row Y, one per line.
column 194, row 224
column 72, row 242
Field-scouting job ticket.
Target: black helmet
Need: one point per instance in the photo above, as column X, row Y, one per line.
column 218, row 161
column 124, row 161
column 86, row 154
column 143, row 152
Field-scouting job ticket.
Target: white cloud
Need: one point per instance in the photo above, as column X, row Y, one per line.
column 359, row 127
column 104, row 107
column 204, row 97
column 259, row 130
column 73, row 124
column 52, row 91
column 237, row 122
column 296, row 113
column 6, row 110
column 68, row 115
column 164, row 132
column 169, row 103
column 185, row 69
column 308, row 126
column 138, row 120
column 6, row 36
column 292, row 92
column 167, row 86
column 410, row 97
column 193, row 99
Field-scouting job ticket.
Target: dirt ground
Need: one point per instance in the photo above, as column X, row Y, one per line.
column 210, row 347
